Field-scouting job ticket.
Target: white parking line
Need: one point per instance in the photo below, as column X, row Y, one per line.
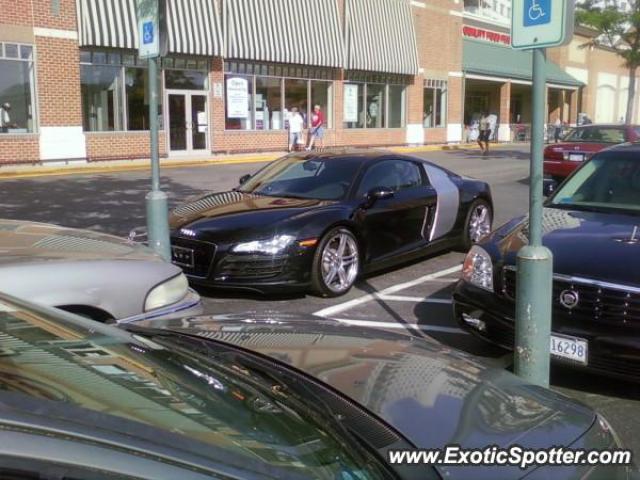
column 341, row 307
column 402, row 298
column 403, row 326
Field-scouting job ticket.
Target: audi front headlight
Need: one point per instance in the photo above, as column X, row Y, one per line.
column 273, row 246
column 167, row 293
column 478, row 268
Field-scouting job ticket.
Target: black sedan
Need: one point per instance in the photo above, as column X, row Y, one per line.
column 592, row 226
column 271, row 398
column 319, row 220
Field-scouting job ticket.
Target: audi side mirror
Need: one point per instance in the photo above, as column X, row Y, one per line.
column 548, row 187
column 244, row 179
column 375, row 194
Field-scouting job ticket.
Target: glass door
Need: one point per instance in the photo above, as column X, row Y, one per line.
column 178, row 122
column 188, row 122
column 199, row 122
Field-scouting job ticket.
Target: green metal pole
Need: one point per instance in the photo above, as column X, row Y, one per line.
column 156, row 200
column 535, row 262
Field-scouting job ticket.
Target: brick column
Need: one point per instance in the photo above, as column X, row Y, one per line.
column 334, row 135
column 455, row 107
column 59, row 99
column 574, row 97
column 217, row 106
column 504, row 127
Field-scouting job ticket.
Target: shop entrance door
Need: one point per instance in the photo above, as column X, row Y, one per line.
column 188, row 122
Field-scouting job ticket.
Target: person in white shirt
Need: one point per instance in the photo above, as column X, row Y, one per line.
column 296, row 124
column 5, row 119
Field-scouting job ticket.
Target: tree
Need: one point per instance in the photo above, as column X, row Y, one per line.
column 619, row 31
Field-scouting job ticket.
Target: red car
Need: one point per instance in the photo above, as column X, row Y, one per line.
column 581, row 143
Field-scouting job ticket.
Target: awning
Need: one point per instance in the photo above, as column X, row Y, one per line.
column 381, row 37
column 482, row 58
column 194, row 27
column 284, row 31
column 107, row 23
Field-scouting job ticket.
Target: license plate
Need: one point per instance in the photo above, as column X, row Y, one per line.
column 570, row 348
column 576, row 157
column 182, row 256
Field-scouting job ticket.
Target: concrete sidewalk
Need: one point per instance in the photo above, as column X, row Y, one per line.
column 114, row 166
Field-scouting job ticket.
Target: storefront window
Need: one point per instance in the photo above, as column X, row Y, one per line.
column 115, row 93
column 375, row 106
column 239, row 95
column 137, row 99
column 396, row 106
column 101, row 88
column 321, row 94
column 16, row 89
column 186, row 79
column 296, row 94
column 268, row 104
column 435, row 103
column 377, row 102
column 274, row 93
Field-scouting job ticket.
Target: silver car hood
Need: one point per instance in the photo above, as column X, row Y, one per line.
column 32, row 242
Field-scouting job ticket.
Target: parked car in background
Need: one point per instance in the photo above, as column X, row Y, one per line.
column 581, row 143
column 270, row 398
column 99, row 276
column 315, row 221
column 592, row 226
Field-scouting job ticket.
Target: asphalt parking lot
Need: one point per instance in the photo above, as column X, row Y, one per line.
column 414, row 298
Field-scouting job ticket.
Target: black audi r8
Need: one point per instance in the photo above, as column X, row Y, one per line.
column 592, row 226
column 318, row 220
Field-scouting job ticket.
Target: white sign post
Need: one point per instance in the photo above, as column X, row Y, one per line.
column 541, row 23
column 157, row 203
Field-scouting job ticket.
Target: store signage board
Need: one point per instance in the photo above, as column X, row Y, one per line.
column 148, row 28
column 237, row 97
column 541, row 23
column 350, row 103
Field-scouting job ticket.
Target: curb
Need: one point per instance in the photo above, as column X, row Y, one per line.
column 32, row 171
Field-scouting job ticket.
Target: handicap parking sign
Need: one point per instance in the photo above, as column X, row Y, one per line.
column 541, row 23
column 147, row 35
column 537, row 12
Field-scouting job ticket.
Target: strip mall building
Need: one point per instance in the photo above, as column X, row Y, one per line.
column 385, row 72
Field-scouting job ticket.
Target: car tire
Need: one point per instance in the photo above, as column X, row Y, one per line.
column 477, row 224
column 336, row 263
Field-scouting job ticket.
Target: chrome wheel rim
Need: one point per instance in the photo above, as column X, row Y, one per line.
column 479, row 223
column 340, row 262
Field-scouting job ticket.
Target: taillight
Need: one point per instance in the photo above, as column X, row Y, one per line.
column 553, row 153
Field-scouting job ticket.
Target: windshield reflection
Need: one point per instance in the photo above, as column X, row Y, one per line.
column 217, row 399
column 305, row 177
column 609, row 182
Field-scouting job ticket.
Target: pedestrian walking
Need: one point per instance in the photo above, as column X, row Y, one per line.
column 296, row 124
column 485, row 133
column 557, row 133
column 316, row 132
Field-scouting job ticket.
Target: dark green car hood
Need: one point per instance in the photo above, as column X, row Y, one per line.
column 430, row 394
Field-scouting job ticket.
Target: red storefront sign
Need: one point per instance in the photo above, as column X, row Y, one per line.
column 488, row 35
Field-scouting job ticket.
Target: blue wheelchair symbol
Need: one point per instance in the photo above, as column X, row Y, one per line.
column 147, row 33
column 537, row 12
